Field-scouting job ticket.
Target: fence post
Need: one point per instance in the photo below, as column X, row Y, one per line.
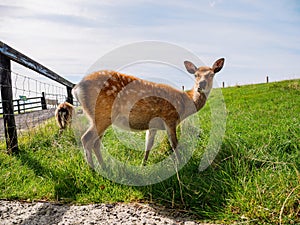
column 43, row 101
column 223, row 84
column 8, row 106
column 267, row 78
column 69, row 95
column 18, row 104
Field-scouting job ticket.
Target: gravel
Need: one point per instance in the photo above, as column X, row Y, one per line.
column 28, row 120
column 39, row 213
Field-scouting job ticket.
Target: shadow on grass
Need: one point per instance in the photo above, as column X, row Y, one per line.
column 65, row 186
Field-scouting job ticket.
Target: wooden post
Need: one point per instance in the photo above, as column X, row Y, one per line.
column 18, row 104
column 69, row 95
column 267, row 78
column 24, row 107
column 43, row 101
column 183, row 88
column 223, row 84
column 8, row 106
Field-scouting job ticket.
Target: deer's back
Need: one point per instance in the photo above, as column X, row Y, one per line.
column 130, row 102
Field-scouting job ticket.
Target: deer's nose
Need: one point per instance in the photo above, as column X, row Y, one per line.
column 202, row 85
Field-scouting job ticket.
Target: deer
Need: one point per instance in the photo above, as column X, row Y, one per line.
column 63, row 115
column 112, row 98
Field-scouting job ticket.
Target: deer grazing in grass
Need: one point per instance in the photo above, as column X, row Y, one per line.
column 109, row 97
column 63, row 115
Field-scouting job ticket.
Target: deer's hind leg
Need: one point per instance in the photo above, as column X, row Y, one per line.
column 150, row 135
column 101, row 128
column 171, row 131
column 97, row 151
column 88, row 140
column 91, row 140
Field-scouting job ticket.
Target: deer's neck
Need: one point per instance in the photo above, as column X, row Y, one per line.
column 199, row 99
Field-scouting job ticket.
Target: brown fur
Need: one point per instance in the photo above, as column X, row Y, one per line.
column 63, row 115
column 109, row 97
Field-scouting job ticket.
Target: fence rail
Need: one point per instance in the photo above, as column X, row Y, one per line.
column 8, row 54
column 21, row 105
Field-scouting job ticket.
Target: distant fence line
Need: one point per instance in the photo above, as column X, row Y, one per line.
column 223, row 83
column 26, row 93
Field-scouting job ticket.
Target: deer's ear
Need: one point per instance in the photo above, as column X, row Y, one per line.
column 218, row 65
column 190, row 67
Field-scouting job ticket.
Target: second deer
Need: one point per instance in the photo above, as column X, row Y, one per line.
column 109, row 97
column 63, row 115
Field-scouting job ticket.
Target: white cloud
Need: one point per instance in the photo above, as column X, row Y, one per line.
column 68, row 36
column 213, row 3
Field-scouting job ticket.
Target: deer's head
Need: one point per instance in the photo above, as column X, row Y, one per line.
column 204, row 75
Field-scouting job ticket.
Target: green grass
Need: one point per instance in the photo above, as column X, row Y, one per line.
column 254, row 179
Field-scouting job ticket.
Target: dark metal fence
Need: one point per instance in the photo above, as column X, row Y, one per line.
column 11, row 106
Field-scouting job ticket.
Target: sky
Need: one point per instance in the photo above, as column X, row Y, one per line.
column 256, row 38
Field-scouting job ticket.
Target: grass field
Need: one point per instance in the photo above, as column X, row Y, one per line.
column 255, row 178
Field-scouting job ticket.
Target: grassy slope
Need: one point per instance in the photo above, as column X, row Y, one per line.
column 254, row 178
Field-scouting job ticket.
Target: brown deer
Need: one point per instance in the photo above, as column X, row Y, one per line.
column 63, row 115
column 109, row 97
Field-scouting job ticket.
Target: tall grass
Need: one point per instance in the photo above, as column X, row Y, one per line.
column 255, row 178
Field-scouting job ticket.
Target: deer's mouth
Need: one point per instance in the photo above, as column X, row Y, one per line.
column 201, row 90
column 202, row 86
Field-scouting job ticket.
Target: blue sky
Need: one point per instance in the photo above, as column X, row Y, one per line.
column 257, row 38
